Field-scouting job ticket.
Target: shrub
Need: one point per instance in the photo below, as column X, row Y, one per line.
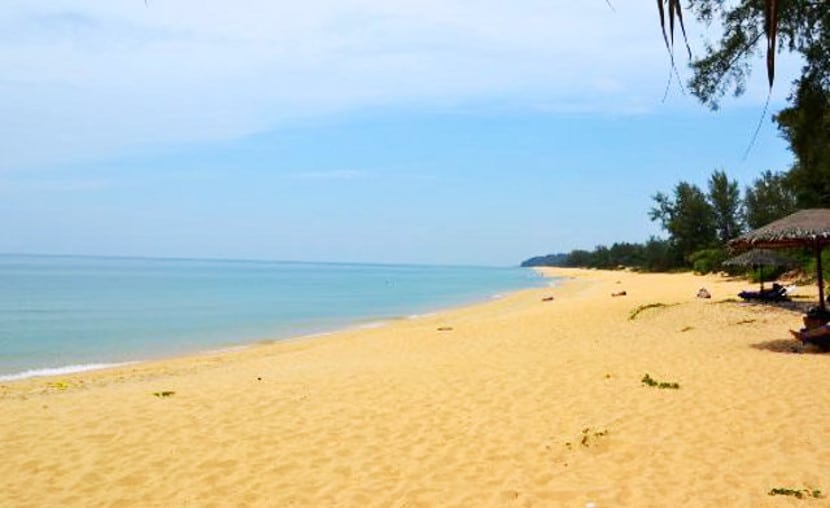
column 708, row 260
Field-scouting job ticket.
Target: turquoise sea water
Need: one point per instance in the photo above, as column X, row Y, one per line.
column 63, row 314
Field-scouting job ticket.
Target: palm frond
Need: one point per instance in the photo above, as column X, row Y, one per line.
column 771, row 29
column 671, row 12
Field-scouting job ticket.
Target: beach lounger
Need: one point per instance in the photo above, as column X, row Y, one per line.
column 777, row 293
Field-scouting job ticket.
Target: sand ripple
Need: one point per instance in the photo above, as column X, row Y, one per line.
column 521, row 403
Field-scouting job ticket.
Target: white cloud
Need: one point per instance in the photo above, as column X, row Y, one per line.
column 95, row 78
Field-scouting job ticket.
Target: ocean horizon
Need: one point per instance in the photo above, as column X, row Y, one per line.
column 62, row 314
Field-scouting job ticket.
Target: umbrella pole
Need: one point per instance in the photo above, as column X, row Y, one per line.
column 761, row 277
column 820, row 276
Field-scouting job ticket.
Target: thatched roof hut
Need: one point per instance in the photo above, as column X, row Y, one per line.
column 757, row 258
column 805, row 228
column 760, row 257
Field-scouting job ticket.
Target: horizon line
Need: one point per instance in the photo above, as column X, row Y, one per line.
column 249, row 260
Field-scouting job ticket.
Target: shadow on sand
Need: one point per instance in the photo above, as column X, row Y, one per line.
column 796, row 306
column 788, row 346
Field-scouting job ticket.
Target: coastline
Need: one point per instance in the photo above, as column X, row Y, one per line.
column 228, row 340
column 119, row 369
column 490, row 411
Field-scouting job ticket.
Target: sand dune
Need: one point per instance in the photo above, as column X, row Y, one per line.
column 519, row 403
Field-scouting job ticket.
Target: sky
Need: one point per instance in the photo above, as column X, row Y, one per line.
column 429, row 132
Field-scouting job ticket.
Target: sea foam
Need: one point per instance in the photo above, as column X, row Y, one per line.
column 57, row 371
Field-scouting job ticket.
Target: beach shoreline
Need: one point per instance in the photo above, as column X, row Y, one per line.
column 519, row 401
column 119, row 369
column 209, row 312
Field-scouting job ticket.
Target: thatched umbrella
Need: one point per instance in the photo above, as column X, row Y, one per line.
column 805, row 228
column 757, row 258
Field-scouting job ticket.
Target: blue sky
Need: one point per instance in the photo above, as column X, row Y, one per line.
column 357, row 130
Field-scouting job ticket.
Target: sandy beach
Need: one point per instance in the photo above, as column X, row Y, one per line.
column 516, row 402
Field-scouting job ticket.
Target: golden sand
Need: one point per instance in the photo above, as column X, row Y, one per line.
column 517, row 402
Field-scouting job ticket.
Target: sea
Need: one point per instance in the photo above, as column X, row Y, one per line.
column 63, row 314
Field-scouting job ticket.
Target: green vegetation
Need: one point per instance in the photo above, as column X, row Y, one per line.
column 649, row 381
column 655, row 255
column 772, row 272
column 698, row 223
column 799, row 493
column 750, row 27
column 687, row 216
column 767, row 199
column 164, row 394
column 549, row 260
column 806, row 126
column 708, row 260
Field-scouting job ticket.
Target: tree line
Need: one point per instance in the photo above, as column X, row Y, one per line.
column 698, row 222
